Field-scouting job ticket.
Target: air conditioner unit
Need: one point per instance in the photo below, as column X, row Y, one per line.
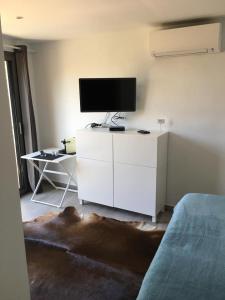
column 197, row 39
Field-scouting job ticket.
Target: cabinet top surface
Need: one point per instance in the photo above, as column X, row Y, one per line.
column 153, row 133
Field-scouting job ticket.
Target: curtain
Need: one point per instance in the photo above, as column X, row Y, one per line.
column 30, row 134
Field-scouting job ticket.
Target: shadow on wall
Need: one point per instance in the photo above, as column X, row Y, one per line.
column 141, row 102
column 142, row 89
column 193, row 167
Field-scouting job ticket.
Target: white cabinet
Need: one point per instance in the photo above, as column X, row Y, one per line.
column 95, row 166
column 126, row 170
column 135, row 148
column 93, row 144
column 135, row 188
column 95, row 181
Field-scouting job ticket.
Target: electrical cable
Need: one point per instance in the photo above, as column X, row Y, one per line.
column 113, row 118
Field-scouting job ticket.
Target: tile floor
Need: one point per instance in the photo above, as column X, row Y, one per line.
column 31, row 210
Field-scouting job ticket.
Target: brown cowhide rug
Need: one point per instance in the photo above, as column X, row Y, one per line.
column 94, row 258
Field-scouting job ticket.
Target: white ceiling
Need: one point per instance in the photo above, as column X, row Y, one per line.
column 61, row 19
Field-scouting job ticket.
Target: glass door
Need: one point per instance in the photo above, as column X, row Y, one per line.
column 16, row 118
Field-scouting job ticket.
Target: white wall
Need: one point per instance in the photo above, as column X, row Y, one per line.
column 189, row 91
column 58, row 65
column 13, row 270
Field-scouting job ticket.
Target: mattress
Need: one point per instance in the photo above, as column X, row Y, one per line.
column 190, row 261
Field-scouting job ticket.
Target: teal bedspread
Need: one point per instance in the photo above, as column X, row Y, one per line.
column 190, row 262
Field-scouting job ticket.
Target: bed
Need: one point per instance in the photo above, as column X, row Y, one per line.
column 190, row 261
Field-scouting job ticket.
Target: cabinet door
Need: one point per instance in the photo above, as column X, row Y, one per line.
column 136, row 149
column 95, row 181
column 135, row 188
column 93, row 144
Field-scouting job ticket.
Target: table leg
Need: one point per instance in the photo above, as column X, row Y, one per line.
column 52, row 183
column 154, row 219
column 39, row 181
column 70, row 174
column 64, row 194
column 42, row 173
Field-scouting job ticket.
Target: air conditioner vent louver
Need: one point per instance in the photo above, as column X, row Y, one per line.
column 199, row 39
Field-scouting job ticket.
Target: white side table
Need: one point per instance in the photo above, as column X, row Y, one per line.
column 63, row 157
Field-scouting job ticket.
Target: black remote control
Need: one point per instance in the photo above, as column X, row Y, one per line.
column 143, row 131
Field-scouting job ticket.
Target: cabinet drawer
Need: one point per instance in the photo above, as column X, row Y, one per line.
column 94, row 145
column 135, row 188
column 95, row 181
column 135, row 149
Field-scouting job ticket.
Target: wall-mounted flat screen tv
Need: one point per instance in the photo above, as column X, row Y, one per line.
column 107, row 94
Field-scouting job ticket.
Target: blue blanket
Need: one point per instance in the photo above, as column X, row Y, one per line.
column 190, row 262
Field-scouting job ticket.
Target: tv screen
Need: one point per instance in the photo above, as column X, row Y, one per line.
column 107, row 94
